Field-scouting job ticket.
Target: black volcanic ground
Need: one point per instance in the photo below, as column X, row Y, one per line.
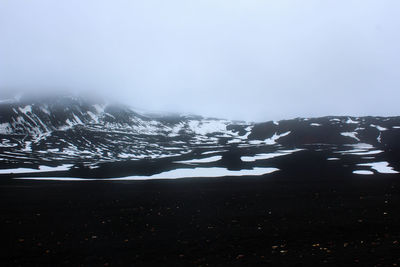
column 300, row 192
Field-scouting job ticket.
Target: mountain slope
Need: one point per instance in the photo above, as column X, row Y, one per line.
column 72, row 136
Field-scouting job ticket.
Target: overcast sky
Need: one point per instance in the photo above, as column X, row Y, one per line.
column 251, row 59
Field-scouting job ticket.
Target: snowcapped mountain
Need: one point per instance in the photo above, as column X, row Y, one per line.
column 75, row 137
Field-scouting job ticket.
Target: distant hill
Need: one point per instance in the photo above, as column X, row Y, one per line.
column 89, row 135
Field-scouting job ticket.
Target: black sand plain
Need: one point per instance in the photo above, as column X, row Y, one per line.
column 275, row 220
column 313, row 212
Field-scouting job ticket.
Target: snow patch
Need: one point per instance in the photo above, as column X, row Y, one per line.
column 212, row 152
column 379, row 138
column 372, row 152
column 27, row 146
column 5, row 128
column 363, row 146
column 269, row 141
column 26, row 109
column 204, row 160
column 70, row 123
column 350, row 134
column 265, row 156
column 275, row 137
column 207, row 126
column 76, row 118
column 234, row 141
column 363, row 172
column 380, row 128
column 6, row 143
column 93, row 116
column 350, row 121
column 381, row 167
column 360, row 149
column 126, row 155
column 173, row 174
column 65, row 167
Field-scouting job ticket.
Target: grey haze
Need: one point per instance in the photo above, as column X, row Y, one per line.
column 253, row 60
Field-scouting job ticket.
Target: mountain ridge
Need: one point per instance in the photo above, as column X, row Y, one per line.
column 77, row 132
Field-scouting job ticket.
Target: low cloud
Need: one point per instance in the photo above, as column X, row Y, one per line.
column 252, row 60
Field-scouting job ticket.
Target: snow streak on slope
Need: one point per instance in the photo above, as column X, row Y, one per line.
column 173, row 174
column 269, row 155
column 39, row 170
